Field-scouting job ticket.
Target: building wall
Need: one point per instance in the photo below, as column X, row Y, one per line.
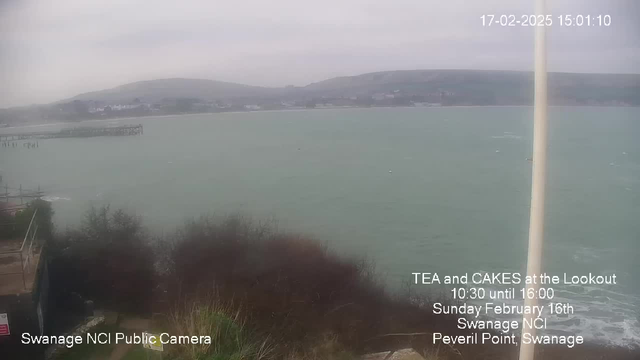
column 24, row 317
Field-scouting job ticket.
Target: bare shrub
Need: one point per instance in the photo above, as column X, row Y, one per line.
column 108, row 260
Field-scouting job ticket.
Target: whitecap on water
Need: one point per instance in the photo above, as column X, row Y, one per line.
column 507, row 136
column 587, row 254
column 609, row 322
column 50, row 198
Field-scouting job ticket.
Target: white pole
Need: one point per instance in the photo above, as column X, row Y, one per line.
column 536, row 220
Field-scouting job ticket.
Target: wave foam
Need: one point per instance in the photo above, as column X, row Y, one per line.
column 507, row 136
column 51, row 198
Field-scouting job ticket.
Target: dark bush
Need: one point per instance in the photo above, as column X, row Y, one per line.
column 15, row 226
column 291, row 287
column 108, row 260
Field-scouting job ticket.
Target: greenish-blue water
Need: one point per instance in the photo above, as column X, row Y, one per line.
column 414, row 189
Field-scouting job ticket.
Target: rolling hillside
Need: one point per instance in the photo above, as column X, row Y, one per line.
column 482, row 87
column 157, row 90
column 387, row 88
column 478, row 87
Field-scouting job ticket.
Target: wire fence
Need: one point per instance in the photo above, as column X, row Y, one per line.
column 11, row 196
column 18, row 260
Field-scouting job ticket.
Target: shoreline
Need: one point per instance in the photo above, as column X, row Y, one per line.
column 116, row 119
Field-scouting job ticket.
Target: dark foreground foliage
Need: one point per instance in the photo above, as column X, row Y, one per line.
column 291, row 287
column 108, row 260
column 14, row 226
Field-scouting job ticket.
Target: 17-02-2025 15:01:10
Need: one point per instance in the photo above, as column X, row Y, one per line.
column 568, row 20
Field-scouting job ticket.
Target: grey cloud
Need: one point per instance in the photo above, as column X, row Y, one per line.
column 51, row 50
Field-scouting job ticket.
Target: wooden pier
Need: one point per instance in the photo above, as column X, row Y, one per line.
column 76, row 132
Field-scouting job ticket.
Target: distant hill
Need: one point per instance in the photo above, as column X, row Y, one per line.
column 485, row 87
column 157, row 90
column 478, row 87
column 386, row 88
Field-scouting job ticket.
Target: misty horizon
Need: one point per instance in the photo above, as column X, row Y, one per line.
column 303, row 85
column 56, row 52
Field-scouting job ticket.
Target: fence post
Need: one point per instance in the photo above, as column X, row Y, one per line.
column 24, row 280
column 21, row 203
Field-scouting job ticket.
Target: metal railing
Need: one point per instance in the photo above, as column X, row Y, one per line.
column 25, row 251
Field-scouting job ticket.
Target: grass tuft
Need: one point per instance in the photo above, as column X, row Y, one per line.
column 230, row 338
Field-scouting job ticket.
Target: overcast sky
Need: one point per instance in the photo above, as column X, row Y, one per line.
column 50, row 50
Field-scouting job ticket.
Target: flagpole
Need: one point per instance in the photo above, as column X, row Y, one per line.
column 536, row 220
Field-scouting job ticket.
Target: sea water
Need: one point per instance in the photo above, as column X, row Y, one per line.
column 413, row 189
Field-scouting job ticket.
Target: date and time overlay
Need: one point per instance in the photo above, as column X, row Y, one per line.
column 568, row 20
